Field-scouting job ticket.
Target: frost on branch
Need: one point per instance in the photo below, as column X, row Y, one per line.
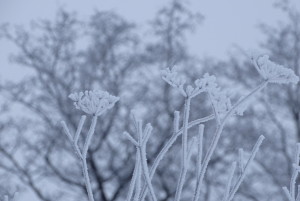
column 274, row 73
column 220, row 100
column 94, row 102
column 207, row 84
column 172, row 78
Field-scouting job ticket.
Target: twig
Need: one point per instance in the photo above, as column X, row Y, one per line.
column 184, row 162
column 82, row 154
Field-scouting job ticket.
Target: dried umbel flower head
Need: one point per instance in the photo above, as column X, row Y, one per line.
column 274, row 73
column 207, row 82
column 174, row 79
column 94, row 102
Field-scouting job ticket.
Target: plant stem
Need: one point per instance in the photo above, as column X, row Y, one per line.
column 184, row 149
column 167, row 146
column 87, row 180
column 217, row 135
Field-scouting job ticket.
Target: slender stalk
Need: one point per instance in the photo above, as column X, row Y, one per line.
column 89, row 137
column 200, row 149
column 146, row 172
column 249, row 162
column 216, row 113
column 217, row 135
column 287, row 194
column 228, row 185
column 184, row 150
column 298, row 194
column 138, row 180
column 87, row 180
column 134, row 177
column 295, row 172
column 82, row 155
column 167, row 146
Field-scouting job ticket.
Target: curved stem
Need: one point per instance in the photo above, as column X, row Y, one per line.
column 217, row 135
column 146, row 172
column 87, row 180
column 184, row 159
column 168, row 145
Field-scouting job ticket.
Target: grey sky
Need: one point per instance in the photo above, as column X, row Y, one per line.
column 226, row 22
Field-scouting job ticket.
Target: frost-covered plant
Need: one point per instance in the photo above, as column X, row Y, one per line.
column 291, row 194
column 97, row 102
column 273, row 72
column 93, row 103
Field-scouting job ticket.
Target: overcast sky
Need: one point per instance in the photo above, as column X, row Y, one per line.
column 227, row 23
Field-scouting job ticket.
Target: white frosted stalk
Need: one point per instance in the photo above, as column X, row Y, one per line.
column 67, row 131
column 69, row 135
column 249, row 162
column 287, row 194
column 293, row 181
column 87, row 180
column 138, row 181
column 134, row 177
column 89, row 136
column 298, row 193
column 145, row 171
column 167, row 146
column 79, row 128
column 6, row 198
column 295, row 171
column 84, row 155
column 217, row 117
column 217, row 135
column 176, row 122
column 184, row 162
column 199, row 149
column 147, row 133
column 130, row 138
column 229, row 181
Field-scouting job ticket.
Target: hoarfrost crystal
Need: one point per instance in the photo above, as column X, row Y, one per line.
column 94, row 102
column 172, row 78
column 273, row 72
column 219, row 98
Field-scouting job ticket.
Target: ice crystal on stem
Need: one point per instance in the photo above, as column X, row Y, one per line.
column 219, row 99
column 94, row 102
column 274, row 73
column 172, row 78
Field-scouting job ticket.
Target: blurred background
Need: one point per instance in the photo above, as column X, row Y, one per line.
column 49, row 49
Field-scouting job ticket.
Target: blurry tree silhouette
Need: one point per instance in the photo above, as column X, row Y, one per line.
column 278, row 110
column 67, row 55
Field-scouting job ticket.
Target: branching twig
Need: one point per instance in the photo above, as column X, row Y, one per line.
column 82, row 154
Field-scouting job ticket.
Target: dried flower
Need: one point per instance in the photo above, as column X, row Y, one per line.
column 207, row 82
column 274, row 73
column 172, row 78
column 219, row 98
column 94, row 102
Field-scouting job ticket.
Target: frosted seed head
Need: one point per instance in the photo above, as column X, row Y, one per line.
column 94, row 102
column 274, row 73
column 173, row 78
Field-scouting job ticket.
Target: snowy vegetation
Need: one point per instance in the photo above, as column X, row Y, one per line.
column 218, row 129
column 95, row 103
